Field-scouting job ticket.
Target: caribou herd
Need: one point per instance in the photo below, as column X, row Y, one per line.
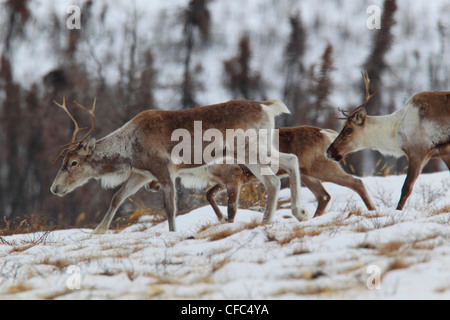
column 227, row 145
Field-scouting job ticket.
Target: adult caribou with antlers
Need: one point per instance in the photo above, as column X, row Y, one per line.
column 141, row 151
column 420, row 131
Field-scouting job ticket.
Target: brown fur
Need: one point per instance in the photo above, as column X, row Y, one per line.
column 433, row 105
column 233, row 114
column 309, row 144
column 140, row 152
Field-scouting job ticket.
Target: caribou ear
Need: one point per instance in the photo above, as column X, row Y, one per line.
column 359, row 117
column 88, row 147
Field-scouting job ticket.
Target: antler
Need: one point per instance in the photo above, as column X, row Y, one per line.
column 367, row 97
column 74, row 144
column 92, row 114
column 346, row 114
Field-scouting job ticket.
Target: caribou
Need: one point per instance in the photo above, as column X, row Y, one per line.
column 420, row 131
column 309, row 144
column 142, row 151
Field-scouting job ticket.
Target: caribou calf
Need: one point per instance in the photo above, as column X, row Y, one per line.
column 310, row 145
column 420, row 131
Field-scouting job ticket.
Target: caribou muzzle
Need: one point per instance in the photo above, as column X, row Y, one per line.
column 58, row 190
column 333, row 154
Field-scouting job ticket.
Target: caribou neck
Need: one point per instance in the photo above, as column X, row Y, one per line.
column 112, row 158
column 382, row 134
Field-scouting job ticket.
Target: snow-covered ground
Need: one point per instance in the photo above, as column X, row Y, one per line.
column 344, row 254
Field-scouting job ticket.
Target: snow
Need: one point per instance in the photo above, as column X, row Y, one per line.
column 159, row 26
column 325, row 257
column 329, row 257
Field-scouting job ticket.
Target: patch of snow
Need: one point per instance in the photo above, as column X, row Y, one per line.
column 326, row 257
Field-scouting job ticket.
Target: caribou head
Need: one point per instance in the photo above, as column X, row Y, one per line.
column 351, row 137
column 76, row 169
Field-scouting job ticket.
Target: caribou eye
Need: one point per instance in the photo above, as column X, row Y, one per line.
column 348, row 131
column 73, row 163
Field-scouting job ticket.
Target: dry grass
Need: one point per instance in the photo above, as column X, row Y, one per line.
column 22, row 248
column 20, row 287
column 396, row 264
column 362, row 228
column 366, row 245
column 222, row 234
column 432, row 195
column 253, row 196
column 443, row 289
column 212, row 233
column 438, row 211
column 375, row 221
column 205, row 227
column 298, row 232
column 300, row 250
column 35, row 222
column 56, row 294
column 143, row 210
column 308, row 275
column 156, row 216
column 382, row 169
column 154, row 292
column 219, row 264
column 33, row 240
column 311, row 289
column 391, row 249
column 58, row 263
column 355, row 211
column 428, row 243
column 284, row 204
column 43, row 222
